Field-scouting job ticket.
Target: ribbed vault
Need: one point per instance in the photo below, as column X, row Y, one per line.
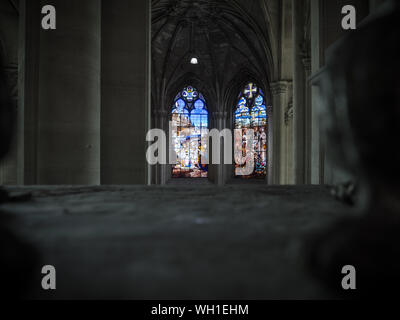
column 228, row 37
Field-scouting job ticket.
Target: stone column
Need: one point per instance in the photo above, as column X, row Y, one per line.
column 298, row 92
column 220, row 119
column 317, row 154
column 279, row 92
column 307, row 120
column 68, row 134
column 125, row 91
column 161, row 121
column 270, row 142
column 287, row 173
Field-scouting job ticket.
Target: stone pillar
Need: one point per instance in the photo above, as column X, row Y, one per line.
column 287, row 173
column 220, row 119
column 91, row 72
column 68, row 138
column 307, row 120
column 270, row 143
column 279, row 91
column 125, row 91
column 317, row 155
column 161, row 121
column 298, row 92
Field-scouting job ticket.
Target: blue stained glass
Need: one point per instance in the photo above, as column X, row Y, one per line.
column 242, row 106
column 252, row 113
column 259, row 100
column 259, row 116
column 189, row 94
column 190, row 137
column 180, row 105
column 242, row 114
column 199, row 104
column 199, row 116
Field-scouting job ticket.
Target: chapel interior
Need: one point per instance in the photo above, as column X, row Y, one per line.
column 78, row 192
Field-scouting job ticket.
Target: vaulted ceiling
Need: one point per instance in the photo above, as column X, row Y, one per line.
column 229, row 37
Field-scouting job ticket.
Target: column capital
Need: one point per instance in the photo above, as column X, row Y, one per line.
column 289, row 114
column 279, row 87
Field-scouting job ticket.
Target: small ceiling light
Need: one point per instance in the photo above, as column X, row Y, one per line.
column 192, row 51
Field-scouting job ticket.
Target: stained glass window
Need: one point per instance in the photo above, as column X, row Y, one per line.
column 251, row 113
column 189, row 118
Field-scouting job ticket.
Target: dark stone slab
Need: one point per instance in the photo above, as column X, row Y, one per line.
column 183, row 242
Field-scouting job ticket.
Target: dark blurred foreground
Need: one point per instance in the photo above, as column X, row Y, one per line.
column 362, row 96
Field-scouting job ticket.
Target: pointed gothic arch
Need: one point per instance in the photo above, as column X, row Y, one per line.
column 190, row 123
column 250, row 116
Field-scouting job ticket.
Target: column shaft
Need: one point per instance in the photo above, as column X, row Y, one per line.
column 125, row 88
column 298, row 92
column 279, row 92
column 68, row 146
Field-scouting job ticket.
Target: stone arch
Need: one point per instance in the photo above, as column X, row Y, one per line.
column 161, row 116
column 191, row 79
column 243, row 77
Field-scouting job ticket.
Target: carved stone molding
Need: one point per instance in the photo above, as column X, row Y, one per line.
column 279, row 87
column 289, row 114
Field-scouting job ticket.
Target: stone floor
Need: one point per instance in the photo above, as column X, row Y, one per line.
column 175, row 242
